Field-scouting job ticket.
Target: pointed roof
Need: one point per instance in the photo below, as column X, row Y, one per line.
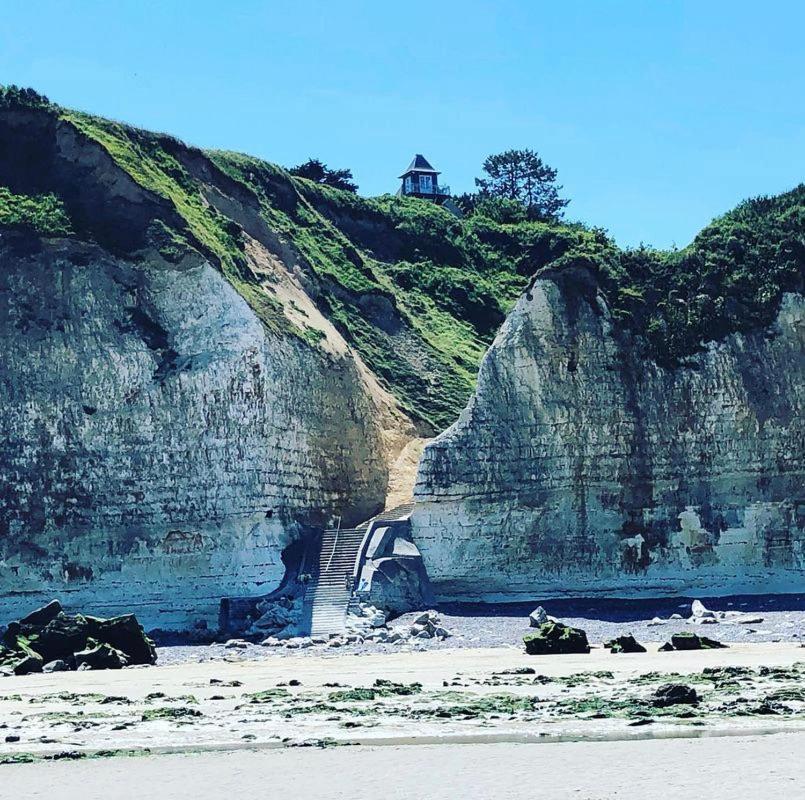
column 420, row 164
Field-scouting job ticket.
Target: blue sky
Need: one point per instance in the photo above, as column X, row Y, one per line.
column 659, row 114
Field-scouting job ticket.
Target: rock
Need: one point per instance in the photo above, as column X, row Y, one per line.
column 555, row 638
column 100, row 656
column 426, row 617
column 748, row 619
column 441, row 633
column 539, row 616
column 665, row 648
column 124, row 633
column 236, row 644
column 698, row 610
column 56, row 666
column 377, row 620
column 12, row 737
column 690, row 641
column 63, row 635
column 672, row 694
column 416, row 629
column 32, row 662
column 272, row 641
column 676, row 616
column 423, row 635
column 42, row 615
column 655, row 621
column 625, row 644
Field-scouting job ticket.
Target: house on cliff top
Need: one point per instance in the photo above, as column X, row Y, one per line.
column 422, row 180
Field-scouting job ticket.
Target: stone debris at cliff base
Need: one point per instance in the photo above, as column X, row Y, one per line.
column 367, row 627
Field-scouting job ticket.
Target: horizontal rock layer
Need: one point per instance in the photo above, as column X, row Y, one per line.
column 580, row 467
column 159, row 447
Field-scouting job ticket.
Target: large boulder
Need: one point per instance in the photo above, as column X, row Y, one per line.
column 624, row 644
column 539, row 616
column 42, row 615
column 691, row 641
column 100, row 656
column 553, row 638
column 60, row 637
column 126, row 634
column 49, row 635
column 672, row 694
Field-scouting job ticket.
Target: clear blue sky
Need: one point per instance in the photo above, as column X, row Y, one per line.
column 658, row 114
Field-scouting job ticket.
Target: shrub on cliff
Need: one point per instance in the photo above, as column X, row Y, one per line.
column 43, row 214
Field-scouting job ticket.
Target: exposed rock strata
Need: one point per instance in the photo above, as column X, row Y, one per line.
column 159, row 447
column 580, row 467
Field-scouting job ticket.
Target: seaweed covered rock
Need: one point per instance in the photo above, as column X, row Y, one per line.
column 553, row 638
column 100, row 656
column 49, row 635
column 624, row 644
column 690, row 641
column 673, row 694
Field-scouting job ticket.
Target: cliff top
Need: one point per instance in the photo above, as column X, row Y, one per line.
column 418, row 293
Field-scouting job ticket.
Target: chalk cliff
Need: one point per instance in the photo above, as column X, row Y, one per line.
column 160, row 448
column 582, row 467
column 206, row 360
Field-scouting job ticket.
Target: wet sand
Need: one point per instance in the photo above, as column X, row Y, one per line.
column 447, row 696
column 724, row 768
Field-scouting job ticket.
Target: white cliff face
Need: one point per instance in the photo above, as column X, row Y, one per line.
column 158, row 446
column 581, row 468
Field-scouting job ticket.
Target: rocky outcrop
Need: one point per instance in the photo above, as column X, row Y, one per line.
column 49, row 640
column 582, row 467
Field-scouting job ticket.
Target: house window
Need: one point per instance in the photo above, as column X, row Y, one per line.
column 409, row 184
column 425, row 184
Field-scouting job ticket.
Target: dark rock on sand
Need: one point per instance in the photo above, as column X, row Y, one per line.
column 56, row 666
column 553, row 638
column 49, row 636
column 43, row 615
column 100, row 656
column 624, row 644
column 690, row 641
column 673, row 694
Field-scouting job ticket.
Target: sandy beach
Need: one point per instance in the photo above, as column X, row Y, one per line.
column 722, row 768
column 440, row 696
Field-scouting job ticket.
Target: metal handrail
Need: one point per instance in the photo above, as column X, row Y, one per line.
column 335, row 544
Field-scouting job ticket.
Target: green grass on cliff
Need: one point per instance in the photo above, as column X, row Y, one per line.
column 144, row 157
column 44, row 214
column 416, row 291
column 730, row 278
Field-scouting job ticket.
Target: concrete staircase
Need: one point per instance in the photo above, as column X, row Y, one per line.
column 329, row 595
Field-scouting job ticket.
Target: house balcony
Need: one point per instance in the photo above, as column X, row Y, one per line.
column 438, row 191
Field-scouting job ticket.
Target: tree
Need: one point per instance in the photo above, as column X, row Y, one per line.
column 523, row 176
column 315, row 170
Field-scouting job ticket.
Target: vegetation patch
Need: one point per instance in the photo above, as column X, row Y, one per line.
column 170, row 712
column 418, row 292
column 43, row 214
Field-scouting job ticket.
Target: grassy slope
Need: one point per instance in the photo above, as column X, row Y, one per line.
column 449, row 282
